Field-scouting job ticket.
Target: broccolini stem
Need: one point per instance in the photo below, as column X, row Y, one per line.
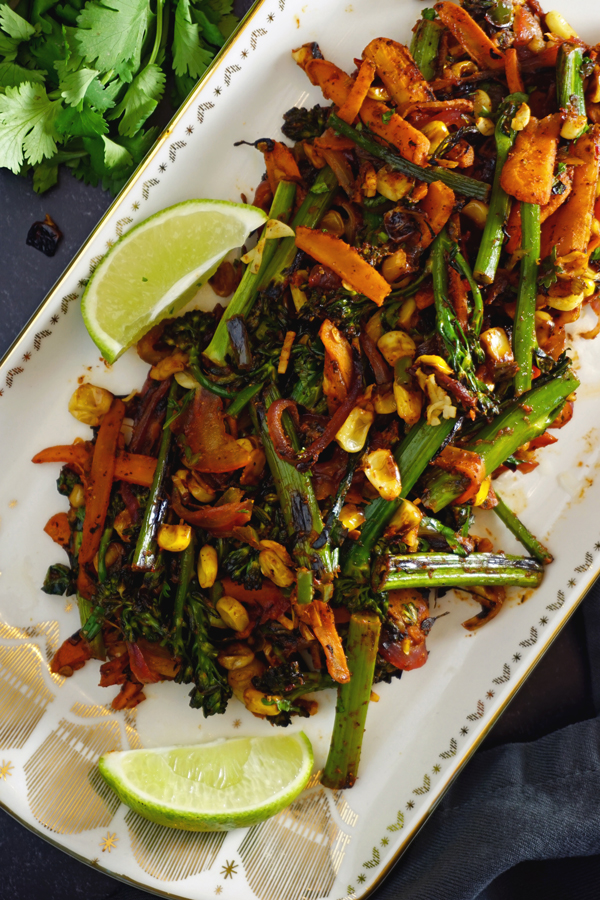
column 521, row 421
column 524, row 339
column 521, row 532
column 299, row 506
column 477, row 315
column 492, row 239
column 424, row 570
column 144, row 556
column 315, row 205
column 104, row 542
column 243, row 300
column 243, row 398
column 341, row 767
column 425, row 45
column 470, row 187
column 569, row 83
column 185, row 576
column 412, row 456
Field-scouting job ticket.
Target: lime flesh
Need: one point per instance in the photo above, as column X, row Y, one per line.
column 212, row 787
column 157, row 267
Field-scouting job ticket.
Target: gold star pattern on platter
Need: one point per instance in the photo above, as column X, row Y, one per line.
column 244, row 54
column 516, row 657
column 237, row 723
column 68, row 606
column 270, row 17
column 5, row 769
column 385, row 841
column 162, row 167
column 437, row 769
column 54, row 320
column 109, row 842
column 544, row 620
column 464, row 730
column 218, row 889
column 361, row 878
column 26, row 357
column 135, row 206
column 218, row 91
column 489, row 695
column 229, row 869
column 109, row 243
column 571, row 582
column 189, row 129
column 410, row 804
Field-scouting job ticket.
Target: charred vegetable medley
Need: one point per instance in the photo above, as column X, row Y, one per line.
column 272, row 513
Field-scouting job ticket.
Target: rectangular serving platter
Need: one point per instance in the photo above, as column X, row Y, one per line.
column 424, row 727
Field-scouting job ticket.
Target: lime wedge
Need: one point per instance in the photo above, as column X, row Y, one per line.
column 212, row 787
column 156, row 268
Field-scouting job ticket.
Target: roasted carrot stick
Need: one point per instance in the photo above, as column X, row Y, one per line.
column 281, row 165
column 437, row 206
column 513, row 224
column 135, row 468
column 398, row 71
column 101, row 479
column 513, row 72
column 468, row 33
column 345, row 261
column 358, row 92
column 528, row 172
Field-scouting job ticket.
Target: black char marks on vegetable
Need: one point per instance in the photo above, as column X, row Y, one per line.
column 240, row 343
column 399, row 225
column 44, row 236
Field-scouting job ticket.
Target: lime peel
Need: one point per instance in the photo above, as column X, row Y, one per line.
column 154, row 269
column 217, row 786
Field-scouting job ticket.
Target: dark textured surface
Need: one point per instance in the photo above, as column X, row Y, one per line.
column 517, row 807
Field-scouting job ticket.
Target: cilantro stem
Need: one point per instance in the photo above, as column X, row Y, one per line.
column 158, row 35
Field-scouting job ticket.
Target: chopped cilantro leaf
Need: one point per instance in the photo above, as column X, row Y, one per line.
column 27, row 125
column 386, row 116
column 111, row 34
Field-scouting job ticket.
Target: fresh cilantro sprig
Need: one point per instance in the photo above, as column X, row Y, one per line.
column 79, row 82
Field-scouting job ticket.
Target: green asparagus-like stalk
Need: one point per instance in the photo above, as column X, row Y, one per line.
column 470, row 187
column 521, row 421
column 521, row 532
column 569, row 82
column 412, row 456
column 243, row 399
column 425, row 45
column 524, row 339
column 298, row 505
column 341, row 768
column 243, row 300
column 104, row 542
column 493, row 233
column 477, row 314
column 144, row 557
column 185, row 575
column 315, row 205
column 424, row 570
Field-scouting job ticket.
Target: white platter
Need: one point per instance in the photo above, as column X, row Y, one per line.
column 52, row 730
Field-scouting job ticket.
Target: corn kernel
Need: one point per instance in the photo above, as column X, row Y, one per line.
column 521, row 118
column 383, row 473
column 374, row 328
column 298, row 296
column 77, row 496
column 122, row 523
column 405, row 646
column 496, row 345
column 198, row 488
column 436, row 132
column 567, row 302
column 536, row 44
column 405, row 522
column 89, row 404
column 241, row 679
column 254, row 701
column 352, row 435
column 588, row 290
column 477, row 212
column 558, row 25
column 351, row 516
column 245, row 444
column 235, row 656
column 484, row 126
column 436, row 361
column 174, row 538
column 208, row 565
column 573, row 127
column 463, row 68
column 273, row 567
column 482, row 104
column 393, row 185
column 384, row 403
column 408, row 403
column 113, row 552
column 378, row 93
column 407, row 311
column 233, row 613
column 595, row 227
column 395, row 266
column 396, row 344
column 484, row 489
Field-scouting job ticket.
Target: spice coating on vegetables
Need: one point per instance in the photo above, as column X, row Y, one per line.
column 302, row 468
